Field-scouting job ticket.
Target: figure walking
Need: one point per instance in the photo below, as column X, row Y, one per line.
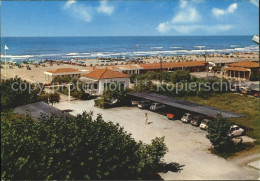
column 146, row 118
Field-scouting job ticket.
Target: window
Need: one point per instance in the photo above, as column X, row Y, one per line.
column 95, row 85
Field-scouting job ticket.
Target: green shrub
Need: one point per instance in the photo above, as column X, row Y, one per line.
column 80, row 148
column 16, row 92
column 218, row 134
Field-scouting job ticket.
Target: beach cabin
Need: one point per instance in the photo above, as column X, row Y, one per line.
column 194, row 66
column 62, row 72
column 241, row 71
column 96, row 81
column 131, row 69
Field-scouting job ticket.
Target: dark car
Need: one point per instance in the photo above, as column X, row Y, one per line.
column 144, row 104
column 157, row 106
column 196, row 120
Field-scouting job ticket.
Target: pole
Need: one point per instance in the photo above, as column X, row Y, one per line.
column 69, row 92
column 160, row 70
column 5, row 62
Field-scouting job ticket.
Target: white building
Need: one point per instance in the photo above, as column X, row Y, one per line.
column 62, row 72
column 97, row 80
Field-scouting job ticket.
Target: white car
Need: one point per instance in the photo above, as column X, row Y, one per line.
column 204, row 124
column 186, row 118
column 236, row 131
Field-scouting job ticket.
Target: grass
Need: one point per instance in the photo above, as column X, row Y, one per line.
column 248, row 106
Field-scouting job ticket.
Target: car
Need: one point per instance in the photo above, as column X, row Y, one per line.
column 235, row 130
column 204, row 124
column 170, row 116
column 245, row 90
column 186, row 118
column 135, row 103
column 157, row 106
column 144, row 104
column 196, row 120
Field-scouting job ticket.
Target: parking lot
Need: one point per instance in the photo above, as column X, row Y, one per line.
column 186, row 144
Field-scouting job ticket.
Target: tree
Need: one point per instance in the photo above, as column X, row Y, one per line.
column 76, row 148
column 59, row 79
column 114, row 92
column 218, row 134
column 179, row 76
column 54, row 98
column 16, row 92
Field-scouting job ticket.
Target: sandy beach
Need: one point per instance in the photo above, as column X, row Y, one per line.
column 36, row 74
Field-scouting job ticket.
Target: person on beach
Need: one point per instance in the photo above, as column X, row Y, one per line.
column 146, row 118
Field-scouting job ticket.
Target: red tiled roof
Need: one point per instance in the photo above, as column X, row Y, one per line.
column 173, row 65
column 241, row 69
column 105, row 74
column 91, row 68
column 113, row 68
column 246, row 64
column 63, row 70
column 130, row 67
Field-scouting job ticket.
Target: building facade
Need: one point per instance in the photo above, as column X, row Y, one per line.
column 98, row 80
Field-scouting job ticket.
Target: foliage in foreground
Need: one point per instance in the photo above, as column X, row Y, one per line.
column 75, row 149
column 16, row 92
column 218, row 134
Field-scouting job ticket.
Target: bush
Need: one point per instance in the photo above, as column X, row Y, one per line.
column 15, row 92
column 54, row 98
column 44, row 98
column 49, row 98
column 102, row 103
column 60, row 80
column 65, row 148
column 218, row 134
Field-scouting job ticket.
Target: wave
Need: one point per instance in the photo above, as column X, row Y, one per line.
column 69, row 54
column 199, row 46
column 175, row 47
column 156, row 48
column 91, row 55
column 232, row 46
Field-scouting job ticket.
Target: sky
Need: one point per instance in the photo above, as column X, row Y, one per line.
column 129, row 18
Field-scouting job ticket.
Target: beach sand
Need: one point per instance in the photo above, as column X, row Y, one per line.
column 36, row 74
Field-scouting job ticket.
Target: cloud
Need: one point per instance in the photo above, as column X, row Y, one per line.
column 183, row 3
column 186, row 29
column 78, row 11
column 69, row 3
column 105, row 8
column 254, row 2
column 188, row 15
column 164, row 27
column 219, row 12
column 188, row 19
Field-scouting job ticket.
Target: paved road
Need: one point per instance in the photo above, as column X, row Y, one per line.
column 187, row 144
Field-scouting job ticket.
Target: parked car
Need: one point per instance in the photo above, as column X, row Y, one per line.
column 144, row 104
column 204, row 124
column 157, row 106
column 135, row 103
column 245, row 90
column 235, row 130
column 196, row 120
column 170, row 116
column 186, row 118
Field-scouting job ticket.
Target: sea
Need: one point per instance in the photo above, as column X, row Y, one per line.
column 67, row 48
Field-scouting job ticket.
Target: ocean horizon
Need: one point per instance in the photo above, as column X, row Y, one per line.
column 87, row 47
